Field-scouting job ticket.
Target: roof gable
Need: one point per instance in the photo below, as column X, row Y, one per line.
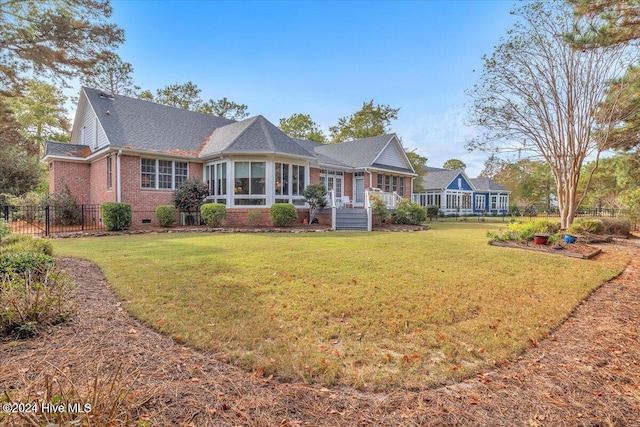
column 253, row 135
column 440, row 179
column 383, row 151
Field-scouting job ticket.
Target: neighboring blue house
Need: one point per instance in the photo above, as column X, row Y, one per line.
column 455, row 193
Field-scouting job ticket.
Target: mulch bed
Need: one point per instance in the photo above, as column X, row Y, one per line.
column 575, row 250
column 586, row 373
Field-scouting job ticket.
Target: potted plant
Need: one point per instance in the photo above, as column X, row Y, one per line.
column 541, row 239
column 568, row 238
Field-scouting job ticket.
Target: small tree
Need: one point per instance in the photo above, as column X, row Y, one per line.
column 314, row 195
column 432, row 212
column 189, row 195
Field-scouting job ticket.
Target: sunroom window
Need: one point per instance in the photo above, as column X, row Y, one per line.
column 249, row 180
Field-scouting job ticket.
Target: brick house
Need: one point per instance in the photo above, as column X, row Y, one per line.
column 129, row 150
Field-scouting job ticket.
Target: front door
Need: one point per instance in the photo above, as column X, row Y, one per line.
column 358, row 197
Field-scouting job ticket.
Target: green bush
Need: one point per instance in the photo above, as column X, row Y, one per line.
column 254, row 217
column 25, row 262
column 410, row 213
column 379, row 208
column 116, row 216
column 30, row 301
column 25, row 243
column 166, row 215
column 432, row 212
column 575, row 229
column 5, row 229
column 594, row 226
column 213, row 214
column 283, row 214
column 525, row 231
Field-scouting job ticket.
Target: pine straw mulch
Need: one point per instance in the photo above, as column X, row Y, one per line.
column 587, row 373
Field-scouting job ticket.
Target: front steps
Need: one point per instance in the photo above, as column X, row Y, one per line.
column 351, row 220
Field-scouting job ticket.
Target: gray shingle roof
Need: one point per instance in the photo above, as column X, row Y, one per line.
column 311, row 146
column 53, row 148
column 487, row 184
column 132, row 122
column 253, row 135
column 357, row 154
column 438, row 179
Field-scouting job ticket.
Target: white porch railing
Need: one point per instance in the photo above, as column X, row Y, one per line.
column 390, row 199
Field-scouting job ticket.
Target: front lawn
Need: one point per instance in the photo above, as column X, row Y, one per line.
column 369, row 310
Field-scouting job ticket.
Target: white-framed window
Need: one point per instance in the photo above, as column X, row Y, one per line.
column 494, row 202
column 332, row 180
column 289, row 183
column 249, row 183
column 480, row 198
column 503, row 202
column 216, row 176
column 109, row 173
column 158, row 174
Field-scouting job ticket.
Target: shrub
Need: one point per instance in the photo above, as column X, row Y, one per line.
column 410, row 213
column 616, row 226
column 36, row 264
column 575, row 229
column 525, row 231
column 63, row 208
column 594, row 226
column 5, row 229
column 30, row 300
column 166, row 215
column 116, row 216
column 283, row 214
column 432, row 212
column 254, row 217
column 25, row 243
column 189, row 195
column 379, row 208
column 213, row 214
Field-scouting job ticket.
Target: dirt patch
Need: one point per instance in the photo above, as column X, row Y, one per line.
column 586, row 373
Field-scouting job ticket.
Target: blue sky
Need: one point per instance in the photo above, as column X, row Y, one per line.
column 325, row 58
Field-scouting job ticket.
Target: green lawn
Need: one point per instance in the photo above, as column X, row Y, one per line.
column 369, row 310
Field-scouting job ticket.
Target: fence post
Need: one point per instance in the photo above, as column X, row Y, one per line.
column 82, row 217
column 46, row 220
column 6, row 213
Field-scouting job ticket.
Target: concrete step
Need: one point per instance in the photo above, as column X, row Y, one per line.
column 351, row 220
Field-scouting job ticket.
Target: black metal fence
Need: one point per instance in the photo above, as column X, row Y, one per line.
column 47, row 220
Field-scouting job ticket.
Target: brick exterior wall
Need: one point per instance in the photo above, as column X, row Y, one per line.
column 99, row 191
column 76, row 176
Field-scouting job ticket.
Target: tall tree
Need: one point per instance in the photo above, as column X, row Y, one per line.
column 58, row 39
column 419, row 164
column 491, row 166
column 303, row 127
column 370, row 120
column 19, row 170
column 539, row 94
column 40, row 111
column 112, row 74
column 454, row 164
column 187, row 97
column 610, row 22
column 225, row 108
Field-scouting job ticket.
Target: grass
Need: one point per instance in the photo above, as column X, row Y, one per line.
column 370, row 310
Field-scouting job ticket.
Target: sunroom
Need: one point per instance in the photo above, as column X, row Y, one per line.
column 251, row 181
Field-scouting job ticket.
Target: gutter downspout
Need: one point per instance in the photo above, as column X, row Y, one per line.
column 118, row 178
